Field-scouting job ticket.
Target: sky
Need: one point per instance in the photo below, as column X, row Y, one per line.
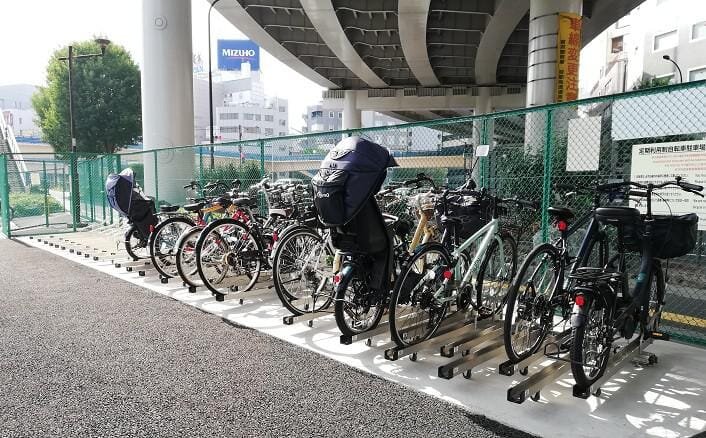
column 31, row 31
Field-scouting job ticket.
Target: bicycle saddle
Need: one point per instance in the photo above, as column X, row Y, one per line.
column 560, row 213
column 242, row 202
column 168, row 208
column 617, row 215
column 194, row 207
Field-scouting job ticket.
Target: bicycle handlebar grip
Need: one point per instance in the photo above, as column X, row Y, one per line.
column 689, row 186
column 188, row 186
column 640, row 193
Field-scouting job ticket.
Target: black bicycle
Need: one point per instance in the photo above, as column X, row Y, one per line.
column 606, row 307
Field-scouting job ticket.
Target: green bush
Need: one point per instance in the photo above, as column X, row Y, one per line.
column 32, row 204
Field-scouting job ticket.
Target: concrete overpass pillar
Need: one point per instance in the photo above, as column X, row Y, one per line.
column 167, row 97
column 351, row 113
column 542, row 62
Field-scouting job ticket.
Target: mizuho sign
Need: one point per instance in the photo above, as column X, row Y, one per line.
column 233, row 53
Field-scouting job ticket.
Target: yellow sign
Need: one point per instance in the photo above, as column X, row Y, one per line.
column 567, row 57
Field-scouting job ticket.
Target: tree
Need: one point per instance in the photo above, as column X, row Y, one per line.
column 648, row 81
column 107, row 112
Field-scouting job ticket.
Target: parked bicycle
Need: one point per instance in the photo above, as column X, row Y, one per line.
column 606, row 308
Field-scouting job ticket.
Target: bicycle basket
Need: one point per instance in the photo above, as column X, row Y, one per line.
column 674, row 236
column 465, row 213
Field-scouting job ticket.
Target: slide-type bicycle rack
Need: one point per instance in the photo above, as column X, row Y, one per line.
column 477, row 341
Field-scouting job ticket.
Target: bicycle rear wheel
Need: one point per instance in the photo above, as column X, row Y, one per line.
column 495, row 275
column 228, row 256
column 589, row 350
column 302, row 262
column 356, row 309
column 529, row 313
column 162, row 244
column 136, row 244
column 415, row 312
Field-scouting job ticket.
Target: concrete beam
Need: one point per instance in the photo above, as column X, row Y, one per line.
column 412, row 24
column 239, row 17
column 508, row 14
column 323, row 16
column 400, row 102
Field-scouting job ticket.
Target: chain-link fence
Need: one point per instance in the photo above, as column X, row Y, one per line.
column 535, row 153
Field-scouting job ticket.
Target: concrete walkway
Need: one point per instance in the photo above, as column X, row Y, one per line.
column 86, row 354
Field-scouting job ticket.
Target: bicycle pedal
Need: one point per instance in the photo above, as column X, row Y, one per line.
column 660, row 336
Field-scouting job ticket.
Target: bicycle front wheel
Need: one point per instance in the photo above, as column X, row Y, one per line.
column 186, row 257
column 529, row 313
column 302, row 271
column 162, row 244
column 415, row 309
column 228, row 256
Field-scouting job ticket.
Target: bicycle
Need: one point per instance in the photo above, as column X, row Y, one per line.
column 606, row 308
column 538, row 300
column 439, row 274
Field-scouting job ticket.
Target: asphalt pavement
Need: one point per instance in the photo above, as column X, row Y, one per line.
column 86, row 354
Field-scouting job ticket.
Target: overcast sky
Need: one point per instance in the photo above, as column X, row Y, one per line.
column 31, row 30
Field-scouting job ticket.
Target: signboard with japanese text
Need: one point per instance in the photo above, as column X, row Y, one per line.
column 233, row 53
column 567, row 57
column 659, row 162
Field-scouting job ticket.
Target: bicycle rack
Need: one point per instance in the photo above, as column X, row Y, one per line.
column 508, row 368
column 228, row 294
column 632, row 352
column 479, row 345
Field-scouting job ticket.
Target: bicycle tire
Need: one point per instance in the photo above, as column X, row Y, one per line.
column 516, row 291
column 186, row 257
column 480, row 304
column 211, row 231
column 343, row 306
column 408, row 328
column 161, row 260
column 657, row 299
column 134, row 233
column 287, row 295
column 578, row 358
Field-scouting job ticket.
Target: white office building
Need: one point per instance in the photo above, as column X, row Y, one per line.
column 633, row 49
column 241, row 109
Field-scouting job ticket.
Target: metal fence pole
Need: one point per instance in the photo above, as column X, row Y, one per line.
column 484, row 177
column 63, row 187
column 156, row 180
column 201, row 168
column 45, row 185
column 75, row 212
column 4, row 196
column 547, row 176
column 91, row 202
column 102, row 181
column 262, row 159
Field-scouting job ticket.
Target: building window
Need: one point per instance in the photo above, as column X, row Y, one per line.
column 330, row 114
column 698, row 31
column 269, row 131
column 282, row 109
column 269, row 117
column 317, row 114
column 248, row 116
column 665, row 40
column 229, row 130
column 258, row 117
column 697, row 74
column 616, row 44
column 282, row 122
column 229, row 116
column 252, row 129
column 282, row 134
column 340, row 115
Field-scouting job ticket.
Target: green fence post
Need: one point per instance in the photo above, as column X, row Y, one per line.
column 91, row 201
column 201, row 169
column 4, row 196
column 156, row 180
column 63, row 187
column 112, row 170
column 262, row 159
column 547, row 177
column 75, row 209
column 102, row 181
column 484, row 160
column 45, row 185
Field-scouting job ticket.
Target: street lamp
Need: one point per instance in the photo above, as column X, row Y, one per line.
column 666, row 57
column 210, row 81
column 103, row 43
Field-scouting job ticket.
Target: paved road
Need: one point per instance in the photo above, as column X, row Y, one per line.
column 87, row 354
